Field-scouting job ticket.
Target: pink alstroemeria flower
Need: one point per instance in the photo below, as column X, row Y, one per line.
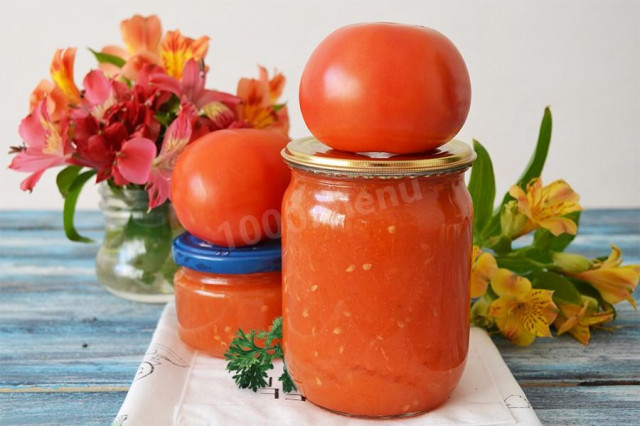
column 101, row 93
column 176, row 138
column 97, row 88
column 190, row 87
column 133, row 161
column 45, row 145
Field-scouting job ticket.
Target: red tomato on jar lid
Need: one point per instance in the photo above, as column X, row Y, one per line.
column 227, row 186
column 385, row 87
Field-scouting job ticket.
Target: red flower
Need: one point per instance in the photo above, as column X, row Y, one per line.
column 97, row 150
column 115, row 129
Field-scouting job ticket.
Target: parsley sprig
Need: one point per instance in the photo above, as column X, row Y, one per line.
column 250, row 361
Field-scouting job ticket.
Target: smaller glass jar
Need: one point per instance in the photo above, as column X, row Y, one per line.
column 220, row 290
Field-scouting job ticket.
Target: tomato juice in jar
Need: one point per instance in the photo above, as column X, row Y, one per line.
column 376, row 266
column 219, row 290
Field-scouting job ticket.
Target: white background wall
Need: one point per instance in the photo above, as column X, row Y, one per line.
column 581, row 57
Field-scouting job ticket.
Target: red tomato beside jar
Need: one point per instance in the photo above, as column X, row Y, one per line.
column 227, row 186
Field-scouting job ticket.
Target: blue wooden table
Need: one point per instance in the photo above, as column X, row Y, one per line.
column 69, row 349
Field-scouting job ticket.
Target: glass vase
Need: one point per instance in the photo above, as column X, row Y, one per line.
column 134, row 261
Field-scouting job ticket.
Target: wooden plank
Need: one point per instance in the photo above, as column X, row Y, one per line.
column 57, row 331
column 48, row 219
column 71, row 408
column 586, row 405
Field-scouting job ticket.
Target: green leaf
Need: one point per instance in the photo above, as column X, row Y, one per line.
column 500, row 245
column 482, row 187
column 287, row 382
column 524, row 261
column 563, row 289
column 65, row 178
column 168, row 269
column 588, row 290
column 539, row 157
column 153, row 231
column 533, row 170
column 164, row 118
column 519, row 265
column 274, row 333
column 534, row 254
column 278, row 107
column 250, row 360
column 126, row 81
column 105, row 58
column 168, row 111
column 73, row 191
column 546, row 241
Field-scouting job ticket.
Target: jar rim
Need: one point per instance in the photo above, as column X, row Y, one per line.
column 310, row 154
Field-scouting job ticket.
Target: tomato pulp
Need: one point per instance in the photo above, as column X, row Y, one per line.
column 375, row 289
column 211, row 308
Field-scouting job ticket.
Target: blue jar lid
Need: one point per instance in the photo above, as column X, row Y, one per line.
column 194, row 253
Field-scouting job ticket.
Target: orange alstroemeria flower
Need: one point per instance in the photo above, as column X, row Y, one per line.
column 259, row 96
column 276, row 84
column 141, row 36
column 613, row 281
column 134, row 65
column 61, row 70
column 483, row 267
column 521, row 313
column 56, row 100
column 545, row 206
column 576, row 319
column 176, row 50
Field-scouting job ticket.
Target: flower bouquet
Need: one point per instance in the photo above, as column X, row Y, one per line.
column 126, row 126
column 519, row 289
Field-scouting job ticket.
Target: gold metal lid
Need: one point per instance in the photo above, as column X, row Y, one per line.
column 311, row 154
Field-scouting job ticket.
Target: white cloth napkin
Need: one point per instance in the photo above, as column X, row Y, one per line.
column 176, row 385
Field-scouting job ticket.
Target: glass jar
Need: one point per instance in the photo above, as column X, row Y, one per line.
column 134, row 261
column 376, row 266
column 220, row 290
